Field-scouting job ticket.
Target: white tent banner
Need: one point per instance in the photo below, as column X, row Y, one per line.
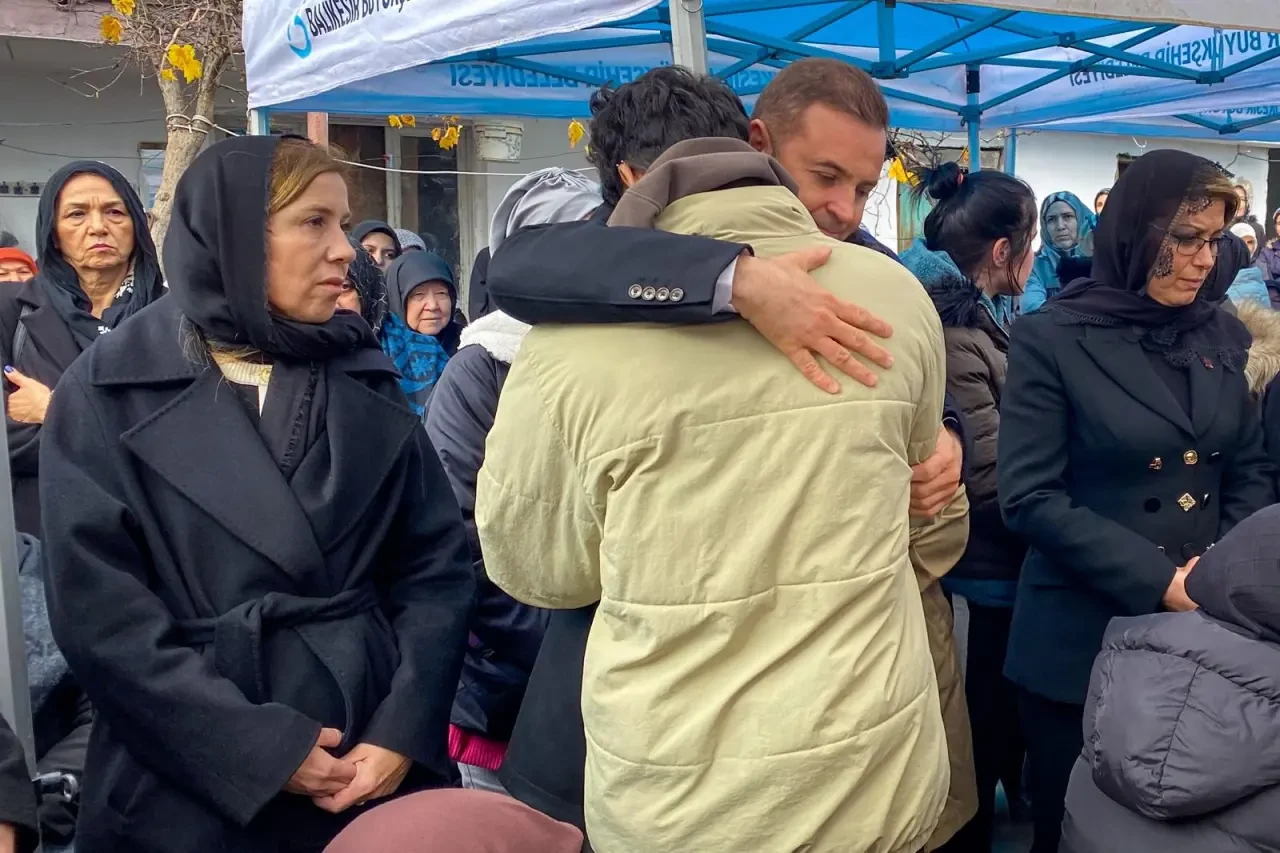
column 1228, row 14
column 295, row 50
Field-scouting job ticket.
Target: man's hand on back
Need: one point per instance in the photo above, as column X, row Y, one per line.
column 803, row 319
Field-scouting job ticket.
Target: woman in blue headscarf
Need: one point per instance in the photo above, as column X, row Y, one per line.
column 1066, row 230
column 422, row 329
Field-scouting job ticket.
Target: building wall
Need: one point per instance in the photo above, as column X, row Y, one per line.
column 44, row 125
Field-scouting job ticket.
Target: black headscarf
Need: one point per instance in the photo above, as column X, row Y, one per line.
column 369, row 226
column 1233, row 256
column 1143, row 205
column 369, row 282
column 216, row 256
column 1238, row 579
column 412, row 269
column 60, row 284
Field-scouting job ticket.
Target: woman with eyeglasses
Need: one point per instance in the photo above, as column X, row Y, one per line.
column 1128, row 445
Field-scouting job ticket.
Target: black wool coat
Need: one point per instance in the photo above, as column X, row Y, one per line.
column 1112, row 485
column 49, row 350
column 218, row 616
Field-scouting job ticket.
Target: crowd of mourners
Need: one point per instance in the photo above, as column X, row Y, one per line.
column 655, row 547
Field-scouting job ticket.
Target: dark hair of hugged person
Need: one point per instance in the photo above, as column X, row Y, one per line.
column 633, row 124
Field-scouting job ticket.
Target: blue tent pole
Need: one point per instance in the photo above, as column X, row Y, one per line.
column 260, row 122
column 973, row 86
column 1011, row 151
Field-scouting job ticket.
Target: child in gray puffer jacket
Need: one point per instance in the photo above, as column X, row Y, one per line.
column 1182, row 724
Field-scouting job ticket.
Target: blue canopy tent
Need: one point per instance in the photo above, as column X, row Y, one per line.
column 944, row 66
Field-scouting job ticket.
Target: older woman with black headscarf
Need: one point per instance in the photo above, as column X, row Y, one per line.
column 422, row 330
column 256, row 566
column 1129, row 443
column 98, row 267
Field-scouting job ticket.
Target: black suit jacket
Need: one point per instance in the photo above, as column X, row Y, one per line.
column 1113, row 485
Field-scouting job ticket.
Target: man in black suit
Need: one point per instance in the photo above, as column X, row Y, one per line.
column 827, row 123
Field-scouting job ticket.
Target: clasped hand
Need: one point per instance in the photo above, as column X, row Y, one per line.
column 365, row 773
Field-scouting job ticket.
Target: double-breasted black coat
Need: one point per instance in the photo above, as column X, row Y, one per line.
column 218, row 615
column 48, row 351
column 1113, row 485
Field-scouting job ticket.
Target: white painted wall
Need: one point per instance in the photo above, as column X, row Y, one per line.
column 55, row 125
column 1084, row 164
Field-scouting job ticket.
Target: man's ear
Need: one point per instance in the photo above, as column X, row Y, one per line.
column 759, row 137
column 629, row 175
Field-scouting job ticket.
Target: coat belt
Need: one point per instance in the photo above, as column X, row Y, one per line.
column 237, row 634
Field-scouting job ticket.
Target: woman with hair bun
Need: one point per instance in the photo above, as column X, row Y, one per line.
column 974, row 260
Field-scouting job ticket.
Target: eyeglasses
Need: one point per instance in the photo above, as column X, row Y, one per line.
column 1191, row 246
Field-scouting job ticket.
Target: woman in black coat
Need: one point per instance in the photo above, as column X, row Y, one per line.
column 256, row 568
column 1129, row 444
column 98, row 267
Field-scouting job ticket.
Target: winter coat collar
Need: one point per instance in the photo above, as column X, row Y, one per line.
column 169, row 352
column 960, row 303
column 1264, row 353
column 500, row 334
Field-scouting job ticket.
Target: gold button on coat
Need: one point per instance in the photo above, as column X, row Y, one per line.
column 1156, row 464
column 1191, row 457
column 1187, row 503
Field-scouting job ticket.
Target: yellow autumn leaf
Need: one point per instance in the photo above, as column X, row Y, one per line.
column 450, row 138
column 167, row 74
column 409, row 121
column 394, row 121
column 111, row 29
column 437, row 133
column 124, row 7
column 193, row 70
column 898, row 171
column 174, row 55
column 576, row 132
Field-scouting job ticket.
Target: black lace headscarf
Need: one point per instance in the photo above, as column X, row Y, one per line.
column 1132, row 246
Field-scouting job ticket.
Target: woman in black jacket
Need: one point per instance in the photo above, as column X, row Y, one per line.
column 505, row 634
column 1183, row 718
column 1129, row 444
column 974, row 260
column 98, row 267
column 256, row 569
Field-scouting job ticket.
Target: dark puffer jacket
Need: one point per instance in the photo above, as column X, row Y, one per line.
column 977, row 361
column 1182, row 725
column 505, row 634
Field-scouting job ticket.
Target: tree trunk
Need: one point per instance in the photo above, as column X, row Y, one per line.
column 185, row 137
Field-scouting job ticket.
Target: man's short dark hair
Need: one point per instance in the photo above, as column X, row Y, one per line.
column 830, row 82
column 636, row 122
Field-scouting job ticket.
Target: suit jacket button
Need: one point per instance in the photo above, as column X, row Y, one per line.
column 1151, row 504
column 635, row 291
column 1161, row 547
column 1156, row 464
column 663, row 294
column 1191, row 457
column 676, row 294
column 648, row 294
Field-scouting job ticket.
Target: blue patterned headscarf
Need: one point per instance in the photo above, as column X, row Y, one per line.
column 1044, row 282
column 419, row 358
